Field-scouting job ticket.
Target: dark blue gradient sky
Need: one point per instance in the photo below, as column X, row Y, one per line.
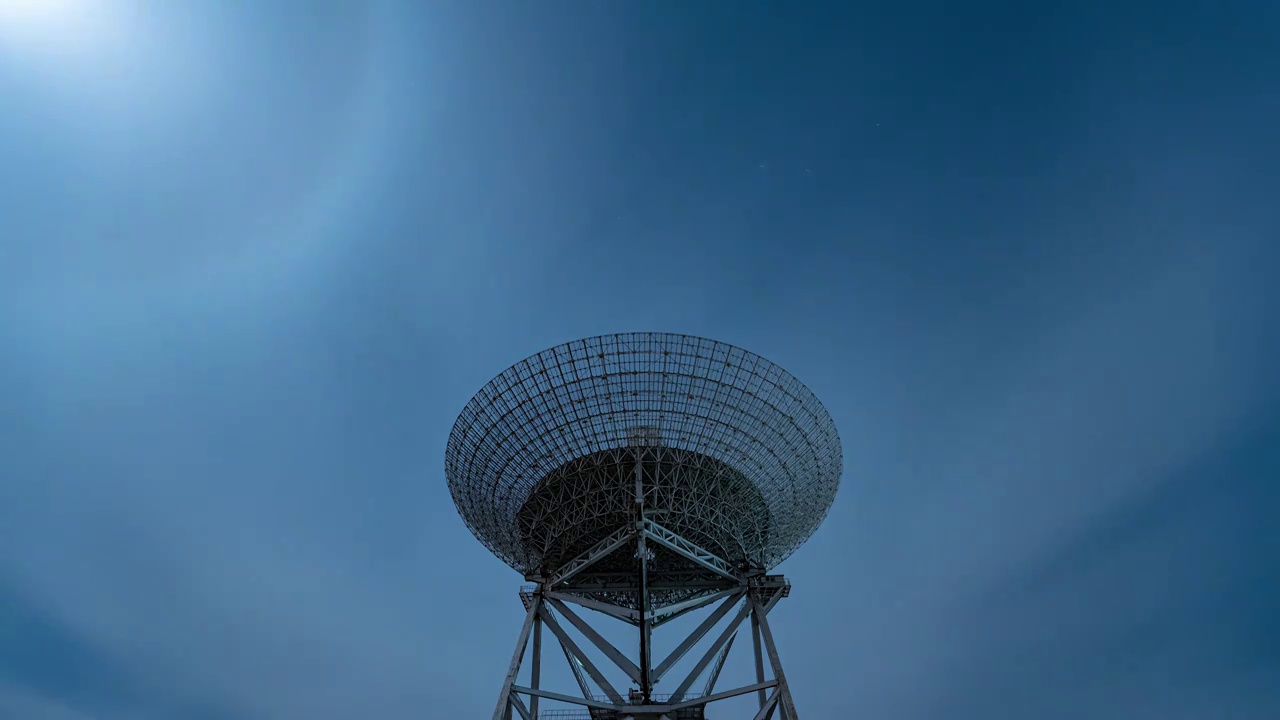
column 254, row 258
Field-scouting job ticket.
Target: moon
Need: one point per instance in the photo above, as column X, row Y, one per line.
column 51, row 23
column 125, row 84
column 68, row 40
column 37, row 11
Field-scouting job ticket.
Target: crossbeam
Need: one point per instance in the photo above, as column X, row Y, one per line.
column 630, row 587
column 703, row 628
column 598, row 640
column 676, row 543
column 647, row 709
column 711, row 652
column 561, row 697
column 592, row 555
column 572, row 648
column 713, row 585
column 624, row 614
column 673, row 707
column 671, row 612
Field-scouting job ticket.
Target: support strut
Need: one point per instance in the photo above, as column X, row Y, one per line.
column 549, row 605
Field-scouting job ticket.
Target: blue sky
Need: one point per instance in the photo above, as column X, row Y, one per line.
column 256, row 256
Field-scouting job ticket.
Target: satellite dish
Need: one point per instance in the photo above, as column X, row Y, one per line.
column 644, row 475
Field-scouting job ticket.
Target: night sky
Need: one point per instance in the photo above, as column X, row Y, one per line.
column 256, row 256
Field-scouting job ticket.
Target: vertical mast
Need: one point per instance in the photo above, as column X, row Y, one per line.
column 642, row 604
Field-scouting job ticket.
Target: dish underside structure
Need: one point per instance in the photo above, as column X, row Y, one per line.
column 643, row 476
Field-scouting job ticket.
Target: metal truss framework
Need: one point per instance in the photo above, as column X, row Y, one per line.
column 739, row 598
column 740, row 458
column 644, row 476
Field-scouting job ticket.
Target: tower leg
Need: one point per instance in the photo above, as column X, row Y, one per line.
column 755, row 645
column 535, row 680
column 752, row 599
column 642, row 553
column 785, row 703
column 503, row 711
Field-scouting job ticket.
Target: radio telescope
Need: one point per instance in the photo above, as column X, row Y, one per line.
column 644, row 476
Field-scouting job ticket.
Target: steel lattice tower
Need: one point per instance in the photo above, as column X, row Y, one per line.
column 644, row 476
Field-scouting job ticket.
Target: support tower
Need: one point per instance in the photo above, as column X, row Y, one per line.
column 633, row 479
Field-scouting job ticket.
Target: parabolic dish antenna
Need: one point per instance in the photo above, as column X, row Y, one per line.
column 644, row 476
